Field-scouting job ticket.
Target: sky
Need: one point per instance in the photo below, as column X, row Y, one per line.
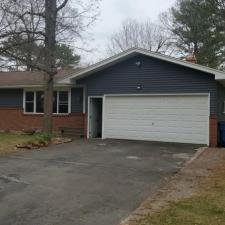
column 112, row 14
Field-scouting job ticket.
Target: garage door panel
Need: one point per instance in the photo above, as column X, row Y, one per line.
column 157, row 128
column 182, row 119
column 157, row 113
column 158, row 136
column 154, row 118
column 160, row 111
column 157, row 102
column 139, row 126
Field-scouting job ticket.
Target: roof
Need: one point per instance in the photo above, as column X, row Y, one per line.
column 65, row 77
column 28, row 78
column 219, row 75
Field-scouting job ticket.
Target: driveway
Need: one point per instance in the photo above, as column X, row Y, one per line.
column 85, row 182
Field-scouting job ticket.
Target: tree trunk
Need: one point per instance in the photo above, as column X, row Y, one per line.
column 48, row 103
column 50, row 65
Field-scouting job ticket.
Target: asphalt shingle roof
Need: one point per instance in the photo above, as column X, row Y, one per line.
column 26, row 78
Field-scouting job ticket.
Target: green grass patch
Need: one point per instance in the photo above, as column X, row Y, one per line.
column 206, row 208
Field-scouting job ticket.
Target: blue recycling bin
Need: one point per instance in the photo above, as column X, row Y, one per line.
column 222, row 134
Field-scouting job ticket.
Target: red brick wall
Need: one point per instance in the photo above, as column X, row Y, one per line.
column 213, row 131
column 15, row 119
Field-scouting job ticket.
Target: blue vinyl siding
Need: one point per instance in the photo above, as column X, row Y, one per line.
column 155, row 76
column 77, row 100
column 220, row 102
column 12, row 98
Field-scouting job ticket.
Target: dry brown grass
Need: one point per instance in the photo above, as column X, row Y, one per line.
column 206, row 207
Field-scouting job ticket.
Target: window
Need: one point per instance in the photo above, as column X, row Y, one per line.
column 55, row 102
column 29, row 102
column 34, row 102
column 63, row 102
column 39, row 102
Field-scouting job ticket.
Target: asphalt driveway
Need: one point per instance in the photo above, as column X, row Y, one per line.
column 85, row 182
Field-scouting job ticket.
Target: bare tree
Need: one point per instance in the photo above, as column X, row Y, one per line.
column 145, row 35
column 32, row 23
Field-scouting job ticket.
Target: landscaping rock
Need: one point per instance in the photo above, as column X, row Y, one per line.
column 30, row 131
column 24, row 146
column 60, row 140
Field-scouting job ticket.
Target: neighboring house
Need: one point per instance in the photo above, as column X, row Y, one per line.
column 134, row 95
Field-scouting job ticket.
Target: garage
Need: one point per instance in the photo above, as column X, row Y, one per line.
column 167, row 118
column 140, row 95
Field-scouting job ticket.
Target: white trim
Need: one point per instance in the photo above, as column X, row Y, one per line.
column 113, row 60
column 103, row 117
column 24, row 101
column 36, row 86
column 209, row 110
column 69, row 102
column 88, row 115
column 166, row 94
column 174, row 94
column 88, row 118
column 35, row 99
column 57, row 101
column 42, row 88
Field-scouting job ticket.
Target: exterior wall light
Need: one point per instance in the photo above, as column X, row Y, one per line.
column 139, row 87
column 138, row 64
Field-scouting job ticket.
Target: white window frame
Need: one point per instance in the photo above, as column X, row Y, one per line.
column 24, row 101
column 35, row 94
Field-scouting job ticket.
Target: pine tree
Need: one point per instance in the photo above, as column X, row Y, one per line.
column 197, row 26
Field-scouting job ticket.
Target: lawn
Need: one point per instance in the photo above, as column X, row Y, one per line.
column 206, row 208
column 8, row 141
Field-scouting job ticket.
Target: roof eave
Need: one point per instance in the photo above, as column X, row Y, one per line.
column 113, row 60
column 33, row 86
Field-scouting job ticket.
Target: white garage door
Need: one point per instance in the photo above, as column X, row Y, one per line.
column 175, row 118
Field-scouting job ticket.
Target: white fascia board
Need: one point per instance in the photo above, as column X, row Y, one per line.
column 66, row 80
column 220, row 76
column 33, row 86
column 110, row 61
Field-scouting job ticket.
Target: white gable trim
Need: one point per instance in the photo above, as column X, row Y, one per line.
column 219, row 75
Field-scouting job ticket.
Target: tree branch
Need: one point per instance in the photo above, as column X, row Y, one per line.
column 61, row 6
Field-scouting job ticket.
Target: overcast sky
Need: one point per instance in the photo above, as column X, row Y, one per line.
column 113, row 12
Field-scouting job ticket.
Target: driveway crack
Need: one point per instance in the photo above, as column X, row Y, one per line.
column 7, row 179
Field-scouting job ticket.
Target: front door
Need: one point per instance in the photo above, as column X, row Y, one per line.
column 95, row 118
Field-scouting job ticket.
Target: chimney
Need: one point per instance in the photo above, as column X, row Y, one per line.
column 191, row 58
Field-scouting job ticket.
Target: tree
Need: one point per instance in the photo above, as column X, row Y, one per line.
column 65, row 57
column 31, row 23
column 196, row 26
column 30, row 52
column 145, row 35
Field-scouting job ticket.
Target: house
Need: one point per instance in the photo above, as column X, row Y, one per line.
column 134, row 95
